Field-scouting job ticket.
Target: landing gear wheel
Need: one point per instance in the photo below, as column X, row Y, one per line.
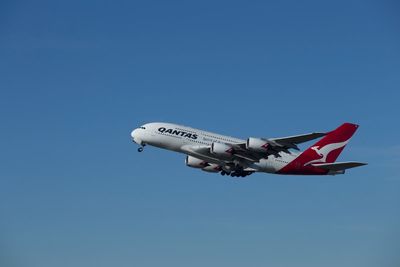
column 140, row 149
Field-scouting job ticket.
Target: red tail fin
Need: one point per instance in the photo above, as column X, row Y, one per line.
column 325, row 150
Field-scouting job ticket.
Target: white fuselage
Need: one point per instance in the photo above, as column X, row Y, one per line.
column 178, row 138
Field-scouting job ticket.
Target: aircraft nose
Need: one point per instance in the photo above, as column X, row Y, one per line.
column 133, row 133
column 135, row 137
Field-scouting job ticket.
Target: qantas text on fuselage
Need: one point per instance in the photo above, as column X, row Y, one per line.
column 212, row 152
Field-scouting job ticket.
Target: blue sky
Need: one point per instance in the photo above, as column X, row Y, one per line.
column 77, row 77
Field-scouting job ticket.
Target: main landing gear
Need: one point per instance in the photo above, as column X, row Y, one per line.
column 237, row 173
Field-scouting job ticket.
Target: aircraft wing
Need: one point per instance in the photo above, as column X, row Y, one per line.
column 242, row 154
column 292, row 141
column 275, row 145
column 202, row 152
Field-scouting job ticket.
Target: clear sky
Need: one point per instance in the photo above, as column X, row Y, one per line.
column 77, row 76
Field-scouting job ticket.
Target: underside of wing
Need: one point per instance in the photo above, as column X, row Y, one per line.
column 233, row 165
column 241, row 151
column 202, row 152
column 237, row 156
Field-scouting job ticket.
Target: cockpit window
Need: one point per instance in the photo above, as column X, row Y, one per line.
column 141, row 127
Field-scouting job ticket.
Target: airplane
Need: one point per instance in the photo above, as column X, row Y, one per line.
column 227, row 155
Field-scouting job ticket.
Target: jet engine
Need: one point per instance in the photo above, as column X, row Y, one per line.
column 195, row 162
column 257, row 145
column 201, row 164
column 222, row 150
column 212, row 168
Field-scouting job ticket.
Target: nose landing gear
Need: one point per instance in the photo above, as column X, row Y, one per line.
column 140, row 149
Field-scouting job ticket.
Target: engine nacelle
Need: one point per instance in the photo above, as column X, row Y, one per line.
column 257, row 144
column 195, row 162
column 222, row 150
column 212, row 168
column 201, row 164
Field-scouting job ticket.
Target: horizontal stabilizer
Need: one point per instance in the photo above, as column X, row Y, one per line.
column 338, row 166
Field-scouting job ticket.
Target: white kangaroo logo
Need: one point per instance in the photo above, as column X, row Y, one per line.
column 324, row 151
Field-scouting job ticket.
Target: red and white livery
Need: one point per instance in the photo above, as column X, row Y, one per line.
column 236, row 157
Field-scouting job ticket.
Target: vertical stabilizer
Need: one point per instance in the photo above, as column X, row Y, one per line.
column 325, row 150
